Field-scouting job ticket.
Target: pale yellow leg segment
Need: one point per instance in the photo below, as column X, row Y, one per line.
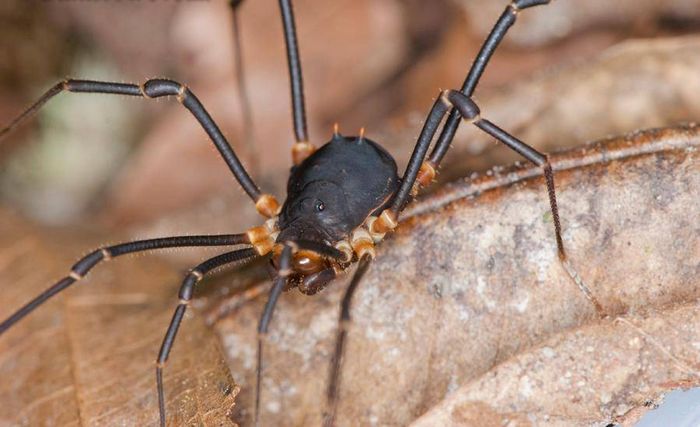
column 267, row 206
column 302, row 150
column 384, row 223
column 426, row 175
column 263, row 237
column 362, row 243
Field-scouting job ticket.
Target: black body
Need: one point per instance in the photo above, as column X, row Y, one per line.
column 335, row 189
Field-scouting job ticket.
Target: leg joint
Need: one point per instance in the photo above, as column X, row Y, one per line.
column 182, row 94
column 465, row 105
column 518, row 5
column 384, row 223
column 426, row 175
column 302, row 150
column 155, row 88
column 267, row 205
column 362, row 243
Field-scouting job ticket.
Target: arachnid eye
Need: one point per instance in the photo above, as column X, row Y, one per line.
column 320, row 206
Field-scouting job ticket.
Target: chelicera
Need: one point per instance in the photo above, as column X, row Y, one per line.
column 342, row 197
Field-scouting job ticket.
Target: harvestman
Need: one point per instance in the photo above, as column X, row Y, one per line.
column 342, row 197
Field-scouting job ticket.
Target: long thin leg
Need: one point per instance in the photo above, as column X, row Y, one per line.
column 505, row 21
column 185, row 295
column 55, row 90
column 157, row 88
column 295, row 76
column 281, row 280
column 470, row 112
column 85, row 264
column 437, row 112
column 337, row 361
column 302, row 148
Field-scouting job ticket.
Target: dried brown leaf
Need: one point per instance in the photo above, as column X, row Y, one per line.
column 471, row 280
column 89, row 358
column 561, row 383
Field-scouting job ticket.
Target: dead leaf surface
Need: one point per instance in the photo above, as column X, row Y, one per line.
column 89, row 358
column 561, row 383
column 471, row 281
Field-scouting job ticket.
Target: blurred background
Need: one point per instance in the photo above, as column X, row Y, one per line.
column 146, row 168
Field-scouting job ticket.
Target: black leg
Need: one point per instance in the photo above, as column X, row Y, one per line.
column 281, row 280
column 505, row 21
column 437, row 112
column 337, row 361
column 85, row 264
column 55, row 90
column 185, row 296
column 157, row 88
column 420, row 172
column 302, row 148
column 470, row 112
column 295, row 76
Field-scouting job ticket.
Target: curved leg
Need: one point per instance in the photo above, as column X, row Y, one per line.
column 424, row 171
column 470, row 112
column 85, row 264
column 420, row 172
column 337, row 361
column 156, row 88
column 505, row 21
column 185, row 296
